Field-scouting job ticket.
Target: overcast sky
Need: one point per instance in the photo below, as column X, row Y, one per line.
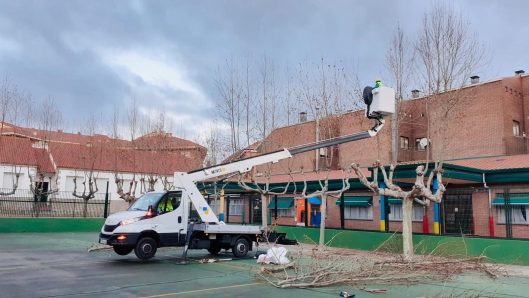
column 92, row 55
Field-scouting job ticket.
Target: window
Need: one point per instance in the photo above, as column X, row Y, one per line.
column 404, row 143
column 419, row 146
column 236, row 206
column 70, row 185
column 519, row 214
column 145, row 201
column 285, row 212
column 395, row 212
column 10, row 179
column 358, row 212
column 284, row 207
column 215, row 205
column 170, row 202
column 102, row 185
column 516, row 128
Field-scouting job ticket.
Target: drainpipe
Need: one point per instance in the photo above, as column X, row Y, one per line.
column 525, row 143
column 491, row 218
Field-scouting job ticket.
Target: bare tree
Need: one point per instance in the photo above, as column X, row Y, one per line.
column 400, row 65
column 248, row 102
column 89, row 188
column 327, row 88
column 126, row 154
column 89, row 156
column 265, row 192
column 268, row 98
column 155, row 148
column 129, row 195
column 48, row 120
column 324, row 193
column 448, row 55
column 120, row 154
column 212, row 141
column 41, row 187
column 420, row 193
column 9, row 95
column 229, row 86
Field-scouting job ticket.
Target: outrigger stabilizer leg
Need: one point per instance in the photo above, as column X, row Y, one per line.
column 184, row 260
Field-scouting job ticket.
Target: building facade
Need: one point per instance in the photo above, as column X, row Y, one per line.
column 62, row 161
column 483, row 141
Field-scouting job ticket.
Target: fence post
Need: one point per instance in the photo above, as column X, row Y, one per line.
column 105, row 212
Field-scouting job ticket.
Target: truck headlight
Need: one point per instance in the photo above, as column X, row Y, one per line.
column 129, row 221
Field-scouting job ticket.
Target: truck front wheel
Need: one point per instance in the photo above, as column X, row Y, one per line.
column 240, row 248
column 122, row 250
column 145, row 248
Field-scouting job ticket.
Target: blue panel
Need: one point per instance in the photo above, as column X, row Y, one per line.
column 315, row 201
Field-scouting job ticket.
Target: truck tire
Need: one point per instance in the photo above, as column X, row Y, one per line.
column 240, row 248
column 145, row 248
column 122, row 250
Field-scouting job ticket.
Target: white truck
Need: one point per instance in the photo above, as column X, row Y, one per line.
column 161, row 219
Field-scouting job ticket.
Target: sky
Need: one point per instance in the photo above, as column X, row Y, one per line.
column 93, row 56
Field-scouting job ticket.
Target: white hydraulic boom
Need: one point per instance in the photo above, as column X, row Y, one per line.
column 381, row 101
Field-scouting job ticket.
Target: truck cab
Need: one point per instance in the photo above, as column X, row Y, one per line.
column 155, row 219
column 161, row 219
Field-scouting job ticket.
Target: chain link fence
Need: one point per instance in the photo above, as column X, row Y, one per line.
column 24, row 203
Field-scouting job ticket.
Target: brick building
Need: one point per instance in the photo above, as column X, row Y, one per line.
column 59, row 157
column 486, row 163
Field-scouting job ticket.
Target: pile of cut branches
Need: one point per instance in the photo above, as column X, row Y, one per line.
column 314, row 268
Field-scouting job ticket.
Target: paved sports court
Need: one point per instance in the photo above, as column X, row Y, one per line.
column 58, row 265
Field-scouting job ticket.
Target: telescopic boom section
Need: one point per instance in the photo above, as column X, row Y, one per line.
column 188, row 180
column 245, row 165
column 380, row 103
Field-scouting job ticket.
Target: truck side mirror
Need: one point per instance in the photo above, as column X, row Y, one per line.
column 150, row 212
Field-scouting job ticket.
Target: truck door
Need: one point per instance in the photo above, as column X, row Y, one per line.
column 170, row 219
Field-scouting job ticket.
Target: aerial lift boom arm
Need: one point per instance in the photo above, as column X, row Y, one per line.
column 188, row 180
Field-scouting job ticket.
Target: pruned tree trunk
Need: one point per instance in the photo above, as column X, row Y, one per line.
column 324, row 193
column 85, row 208
column 323, row 214
column 420, row 193
column 264, row 211
column 265, row 194
column 407, row 229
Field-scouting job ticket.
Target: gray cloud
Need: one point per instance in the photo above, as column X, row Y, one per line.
column 76, row 51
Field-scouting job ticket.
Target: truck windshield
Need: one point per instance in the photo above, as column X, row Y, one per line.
column 148, row 199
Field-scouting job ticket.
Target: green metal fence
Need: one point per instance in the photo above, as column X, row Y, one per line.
column 25, row 203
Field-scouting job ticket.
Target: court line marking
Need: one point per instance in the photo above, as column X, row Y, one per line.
column 204, row 290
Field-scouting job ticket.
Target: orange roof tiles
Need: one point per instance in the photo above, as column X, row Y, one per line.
column 243, row 153
column 495, row 163
column 156, row 153
column 111, row 159
column 21, row 151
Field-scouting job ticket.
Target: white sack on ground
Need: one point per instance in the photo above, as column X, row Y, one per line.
column 275, row 255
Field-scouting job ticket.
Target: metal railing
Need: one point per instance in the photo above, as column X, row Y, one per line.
column 23, row 203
